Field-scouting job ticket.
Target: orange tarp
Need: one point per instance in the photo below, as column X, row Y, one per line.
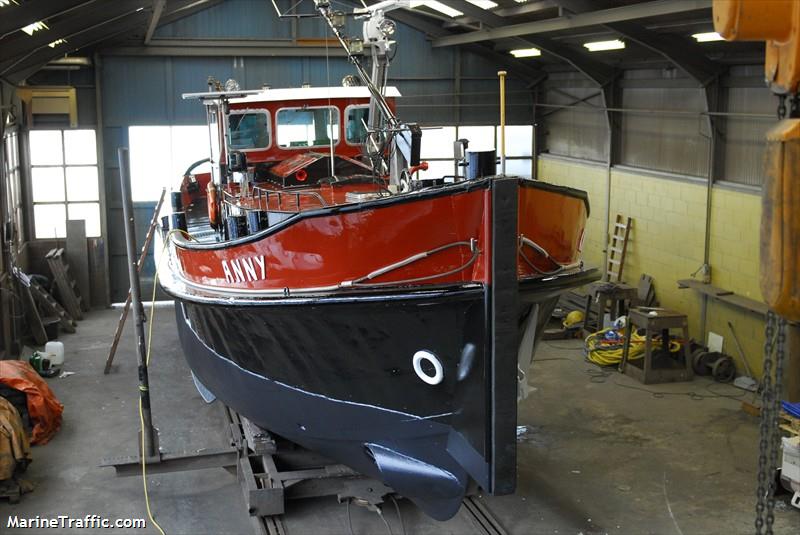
column 43, row 406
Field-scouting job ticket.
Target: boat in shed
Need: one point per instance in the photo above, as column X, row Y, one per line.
column 333, row 297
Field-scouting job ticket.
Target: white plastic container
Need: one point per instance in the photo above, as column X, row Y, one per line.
column 790, row 470
column 56, row 351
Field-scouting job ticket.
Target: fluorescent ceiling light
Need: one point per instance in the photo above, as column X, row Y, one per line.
column 35, row 27
column 57, row 42
column 520, row 1
column 599, row 46
column 526, row 52
column 707, row 37
column 485, row 4
column 4, row 3
column 437, row 6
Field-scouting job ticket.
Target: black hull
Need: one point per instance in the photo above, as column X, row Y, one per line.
column 335, row 375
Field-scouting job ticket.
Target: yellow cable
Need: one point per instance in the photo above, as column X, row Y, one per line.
column 147, row 362
column 144, row 474
column 610, row 354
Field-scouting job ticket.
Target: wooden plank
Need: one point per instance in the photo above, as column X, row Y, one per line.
column 66, row 290
column 725, row 296
column 77, row 256
column 98, row 278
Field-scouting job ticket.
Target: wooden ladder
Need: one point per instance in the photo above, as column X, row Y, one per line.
column 617, row 248
column 67, row 287
column 51, row 306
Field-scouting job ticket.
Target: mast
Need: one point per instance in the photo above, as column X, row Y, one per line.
column 403, row 139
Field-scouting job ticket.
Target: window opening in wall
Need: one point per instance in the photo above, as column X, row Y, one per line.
column 13, row 181
column 160, row 155
column 64, row 181
column 437, row 148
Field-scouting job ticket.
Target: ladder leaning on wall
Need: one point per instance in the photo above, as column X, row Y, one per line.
column 617, row 248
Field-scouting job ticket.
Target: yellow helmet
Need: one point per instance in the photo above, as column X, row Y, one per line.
column 573, row 318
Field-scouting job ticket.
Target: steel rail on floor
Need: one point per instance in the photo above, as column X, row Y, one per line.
column 269, row 475
column 481, row 517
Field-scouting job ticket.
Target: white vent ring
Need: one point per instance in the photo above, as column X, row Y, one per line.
column 434, row 361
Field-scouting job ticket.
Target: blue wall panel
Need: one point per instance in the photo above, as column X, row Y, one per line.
column 190, row 75
column 135, row 91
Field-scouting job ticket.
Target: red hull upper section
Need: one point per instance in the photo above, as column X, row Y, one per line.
column 329, row 250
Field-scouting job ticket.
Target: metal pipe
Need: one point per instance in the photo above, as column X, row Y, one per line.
column 136, row 301
column 712, row 147
column 502, row 75
column 365, row 78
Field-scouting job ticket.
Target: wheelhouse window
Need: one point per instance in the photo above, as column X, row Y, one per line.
column 356, row 120
column 248, row 130
column 308, row 127
column 64, row 181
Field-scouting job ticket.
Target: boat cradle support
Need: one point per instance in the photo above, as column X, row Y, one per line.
column 252, row 457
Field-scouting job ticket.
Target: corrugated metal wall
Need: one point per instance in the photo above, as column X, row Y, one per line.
column 744, row 136
column 664, row 142
column 670, row 133
column 579, row 131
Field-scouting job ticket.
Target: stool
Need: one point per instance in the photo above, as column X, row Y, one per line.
column 653, row 321
column 620, row 296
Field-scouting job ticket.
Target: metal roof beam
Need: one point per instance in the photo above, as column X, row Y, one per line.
column 594, row 18
column 517, row 68
column 23, row 44
column 158, row 7
column 17, row 16
column 14, row 64
column 29, row 65
column 519, row 9
column 188, row 9
column 684, row 54
column 599, row 72
column 422, row 24
column 484, row 16
column 270, row 49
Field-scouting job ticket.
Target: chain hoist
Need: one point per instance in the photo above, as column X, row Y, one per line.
column 769, row 437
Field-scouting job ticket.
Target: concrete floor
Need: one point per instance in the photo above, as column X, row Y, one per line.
column 596, row 458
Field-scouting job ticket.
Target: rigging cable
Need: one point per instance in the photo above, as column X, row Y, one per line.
column 330, row 108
